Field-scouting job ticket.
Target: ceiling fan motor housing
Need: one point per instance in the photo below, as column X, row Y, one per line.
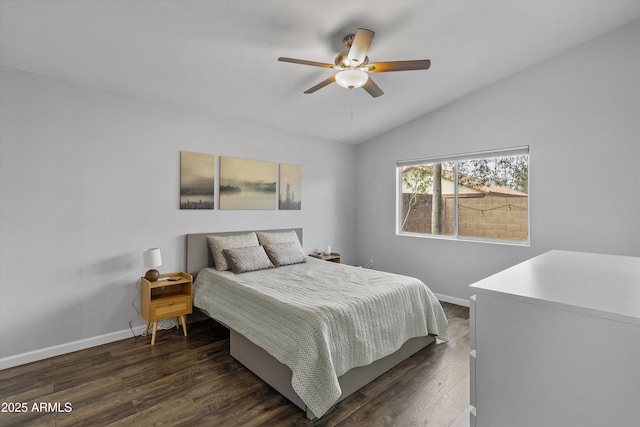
column 342, row 60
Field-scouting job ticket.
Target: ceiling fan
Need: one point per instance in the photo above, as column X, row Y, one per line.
column 354, row 66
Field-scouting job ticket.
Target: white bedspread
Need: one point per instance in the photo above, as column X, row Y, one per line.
column 321, row 318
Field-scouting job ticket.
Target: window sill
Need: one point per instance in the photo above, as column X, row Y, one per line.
column 465, row 239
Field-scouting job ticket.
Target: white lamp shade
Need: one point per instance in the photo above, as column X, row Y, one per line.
column 152, row 258
column 351, row 79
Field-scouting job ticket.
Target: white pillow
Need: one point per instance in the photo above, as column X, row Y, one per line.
column 274, row 238
column 218, row 243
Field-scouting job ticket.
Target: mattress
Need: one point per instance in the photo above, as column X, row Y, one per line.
column 321, row 319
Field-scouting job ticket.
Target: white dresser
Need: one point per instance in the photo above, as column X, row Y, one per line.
column 555, row 341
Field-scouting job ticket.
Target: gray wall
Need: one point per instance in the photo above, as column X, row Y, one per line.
column 90, row 178
column 580, row 115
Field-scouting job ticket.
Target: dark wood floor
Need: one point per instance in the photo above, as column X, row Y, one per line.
column 193, row 381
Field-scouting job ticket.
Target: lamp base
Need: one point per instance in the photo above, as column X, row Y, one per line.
column 152, row 275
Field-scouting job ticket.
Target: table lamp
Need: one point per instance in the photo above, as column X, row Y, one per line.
column 152, row 259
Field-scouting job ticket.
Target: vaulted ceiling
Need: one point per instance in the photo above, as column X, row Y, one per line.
column 221, row 56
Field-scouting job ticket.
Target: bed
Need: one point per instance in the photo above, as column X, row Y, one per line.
column 315, row 331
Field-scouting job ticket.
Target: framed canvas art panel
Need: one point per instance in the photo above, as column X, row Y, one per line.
column 197, row 180
column 290, row 197
column 247, row 184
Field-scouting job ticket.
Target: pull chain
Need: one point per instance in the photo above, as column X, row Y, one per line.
column 351, row 105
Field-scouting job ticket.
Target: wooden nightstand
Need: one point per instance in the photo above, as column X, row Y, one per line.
column 333, row 257
column 166, row 298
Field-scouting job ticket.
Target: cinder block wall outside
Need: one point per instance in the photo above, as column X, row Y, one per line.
column 494, row 217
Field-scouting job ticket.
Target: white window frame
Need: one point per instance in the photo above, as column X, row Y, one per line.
column 504, row 152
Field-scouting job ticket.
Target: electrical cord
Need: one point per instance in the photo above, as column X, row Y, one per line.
column 135, row 307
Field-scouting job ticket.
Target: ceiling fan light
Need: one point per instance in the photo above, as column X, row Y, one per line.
column 352, row 79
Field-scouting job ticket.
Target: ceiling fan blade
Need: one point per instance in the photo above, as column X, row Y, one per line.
column 372, row 88
column 321, row 84
column 383, row 67
column 304, row 62
column 360, row 46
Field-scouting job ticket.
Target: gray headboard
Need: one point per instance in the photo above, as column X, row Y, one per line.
column 199, row 255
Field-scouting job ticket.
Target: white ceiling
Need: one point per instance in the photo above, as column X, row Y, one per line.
column 221, row 56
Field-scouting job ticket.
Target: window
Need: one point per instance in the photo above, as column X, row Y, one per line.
column 477, row 196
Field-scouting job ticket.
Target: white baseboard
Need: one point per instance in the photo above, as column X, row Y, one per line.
column 57, row 350
column 453, row 300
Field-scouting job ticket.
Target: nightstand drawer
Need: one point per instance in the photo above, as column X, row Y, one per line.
column 174, row 307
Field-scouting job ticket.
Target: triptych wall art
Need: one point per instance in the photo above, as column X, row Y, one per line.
column 243, row 184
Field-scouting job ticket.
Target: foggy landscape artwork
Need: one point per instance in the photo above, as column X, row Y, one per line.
column 290, row 187
column 197, row 180
column 247, row 184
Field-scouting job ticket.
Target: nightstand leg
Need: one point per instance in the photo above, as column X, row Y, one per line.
column 146, row 330
column 184, row 325
column 153, row 337
column 177, row 323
